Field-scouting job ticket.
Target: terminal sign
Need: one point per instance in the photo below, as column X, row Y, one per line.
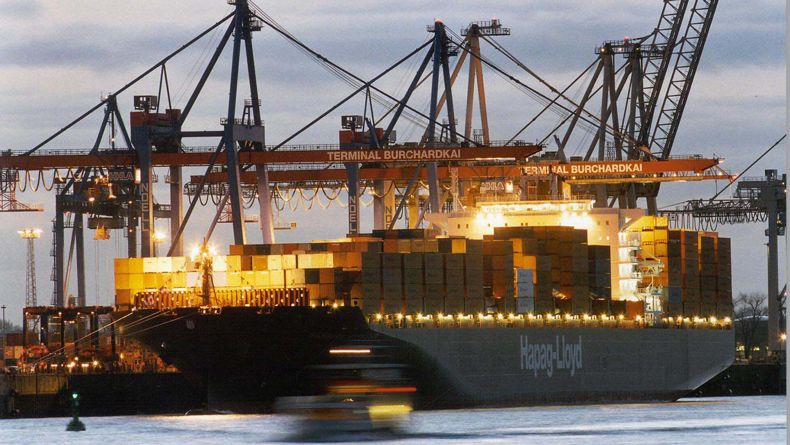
column 394, row 155
column 586, row 168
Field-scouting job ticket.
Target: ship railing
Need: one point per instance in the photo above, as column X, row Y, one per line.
column 401, row 321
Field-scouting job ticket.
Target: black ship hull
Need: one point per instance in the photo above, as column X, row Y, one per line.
column 246, row 358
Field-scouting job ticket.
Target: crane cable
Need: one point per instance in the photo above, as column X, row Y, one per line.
column 751, row 165
column 737, row 176
column 324, row 63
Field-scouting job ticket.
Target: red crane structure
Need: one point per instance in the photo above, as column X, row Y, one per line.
column 113, row 186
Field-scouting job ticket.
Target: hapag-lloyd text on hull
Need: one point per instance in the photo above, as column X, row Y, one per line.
column 546, row 356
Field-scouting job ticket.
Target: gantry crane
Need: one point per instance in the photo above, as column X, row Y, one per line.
column 634, row 131
column 756, row 199
column 9, row 178
column 114, row 187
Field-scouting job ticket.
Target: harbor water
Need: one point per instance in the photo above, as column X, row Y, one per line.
column 731, row 420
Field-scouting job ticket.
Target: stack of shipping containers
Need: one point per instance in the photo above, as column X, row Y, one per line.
column 689, row 245
column 559, row 258
column 696, row 274
column 724, row 303
column 599, row 276
column 707, row 275
column 498, row 274
column 474, row 277
column 541, row 270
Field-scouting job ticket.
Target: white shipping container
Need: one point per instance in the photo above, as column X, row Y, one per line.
column 524, row 275
column 525, row 305
column 219, row 264
column 192, row 279
column 179, row 263
column 165, row 264
column 525, row 289
column 220, row 279
column 150, row 265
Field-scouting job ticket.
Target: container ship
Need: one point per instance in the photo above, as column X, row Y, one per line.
column 518, row 303
column 528, row 294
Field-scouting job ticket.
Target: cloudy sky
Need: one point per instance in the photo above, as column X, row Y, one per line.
column 58, row 58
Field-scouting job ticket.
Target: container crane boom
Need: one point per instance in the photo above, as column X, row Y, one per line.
column 686, row 65
column 657, row 63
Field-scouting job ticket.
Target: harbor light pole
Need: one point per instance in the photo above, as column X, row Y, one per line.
column 158, row 238
column 31, row 235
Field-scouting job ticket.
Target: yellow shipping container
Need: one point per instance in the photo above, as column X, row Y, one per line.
column 289, row 262
column 179, row 279
column 459, row 246
column 166, row 279
column 404, row 246
column 136, row 281
column 318, row 261
column 528, row 262
column 233, row 263
column 248, row 278
column 121, row 265
column 122, row 281
column 151, row 280
column 322, row 260
column 135, row 265
column 234, row 279
column 304, row 260
column 650, row 222
column 262, row 277
column 517, row 260
column 277, row 278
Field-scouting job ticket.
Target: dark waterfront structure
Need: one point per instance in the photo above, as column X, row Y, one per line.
column 117, row 394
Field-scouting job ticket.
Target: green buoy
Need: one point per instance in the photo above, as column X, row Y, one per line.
column 75, row 424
